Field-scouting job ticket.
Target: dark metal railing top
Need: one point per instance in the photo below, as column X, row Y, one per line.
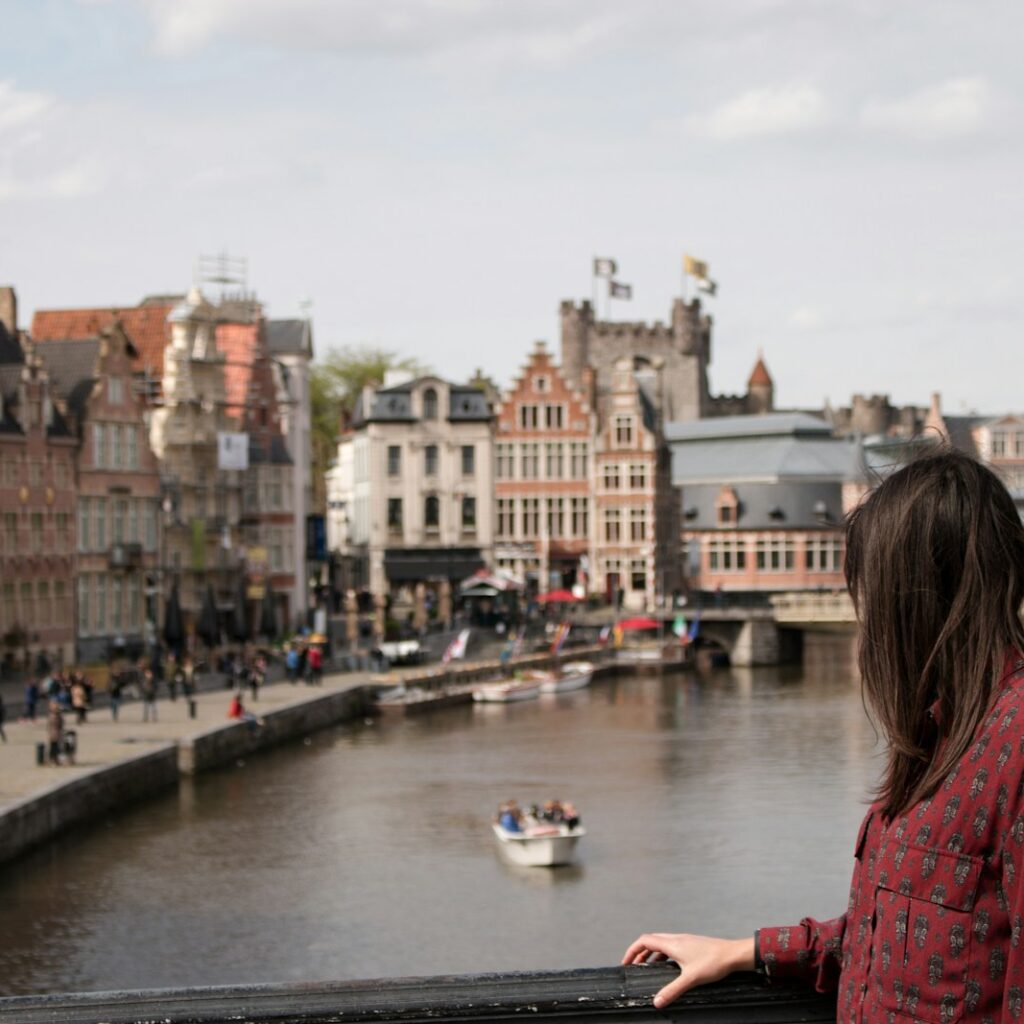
column 601, row 994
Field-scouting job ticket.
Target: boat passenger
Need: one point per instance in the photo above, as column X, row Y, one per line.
column 935, row 568
column 510, row 818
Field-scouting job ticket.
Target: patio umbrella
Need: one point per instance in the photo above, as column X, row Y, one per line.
column 268, row 613
column 558, row 597
column 638, row 623
column 239, row 623
column 174, row 627
column 208, row 627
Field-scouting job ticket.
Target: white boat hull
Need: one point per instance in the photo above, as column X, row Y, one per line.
column 539, row 851
column 574, row 676
column 504, row 693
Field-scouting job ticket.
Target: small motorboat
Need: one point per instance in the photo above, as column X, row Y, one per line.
column 573, row 676
column 505, row 692
column 541, row 845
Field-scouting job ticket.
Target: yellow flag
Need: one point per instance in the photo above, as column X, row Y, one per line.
column 695, row 267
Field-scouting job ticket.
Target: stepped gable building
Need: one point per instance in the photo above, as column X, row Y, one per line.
column 544, row 438
column 419, row 517
column 636, row 504
column 37, row 505
column 679, row 349
column 118, row 507
column 764, row 499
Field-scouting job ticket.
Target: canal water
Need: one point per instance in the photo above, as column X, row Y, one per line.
column 714, row 803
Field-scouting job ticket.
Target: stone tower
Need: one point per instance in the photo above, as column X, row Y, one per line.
column 682, row 350
column 760, row 389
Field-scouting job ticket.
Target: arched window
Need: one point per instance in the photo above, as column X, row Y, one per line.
column 431, row 512
column 430, row 404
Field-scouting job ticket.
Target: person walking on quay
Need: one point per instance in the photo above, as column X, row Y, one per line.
column 935, row 568
column 148, row 695
column 3, row 718
column 31, row 699
column 316, row 665
column 291, row 664
column 55, row 731
column 188, row 676
column 116, row 694
column 79, row 699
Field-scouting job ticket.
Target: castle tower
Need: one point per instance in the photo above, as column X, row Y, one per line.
column 760, row 389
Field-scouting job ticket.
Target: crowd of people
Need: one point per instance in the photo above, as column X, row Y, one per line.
column 513, row 818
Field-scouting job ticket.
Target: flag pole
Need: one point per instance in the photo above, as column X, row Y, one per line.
column 593, row 285
column 684, row 281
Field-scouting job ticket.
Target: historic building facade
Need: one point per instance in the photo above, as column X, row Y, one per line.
column 37, row 505
column 763, row 501
column 419, row 517
column 118, row 506
column 545, row 430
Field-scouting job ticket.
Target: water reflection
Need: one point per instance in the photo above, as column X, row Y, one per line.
column 713, row 803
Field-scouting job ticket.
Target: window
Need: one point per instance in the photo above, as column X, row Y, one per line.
column 430, row 460
column 430, row 404
column 37, row 532
column 726, row 515
column 505, row 526
column 531, row 517
column 115, row 446
column 99, row 440
column 27, row 601
column 117, row 526
column 83, row 524
column 578, row 460
column 432, row 513
column 540, row 385
column 275, row 489
column 637, row 524
column 638, row 574
column 998, row 443
column 35, row 473
column 610, row 476
column 469, row 514
column 60, row 612
column 116, row 603
column 101, row 603
column 149, row 525
column 394, row 460
column 135, row 604
column 1018, row 444
column 823, row 554
column 133, row 521
column 727, row 507
column 276, row 553
column 11, row 471
column 530, row 461
column 10, row 611
column 612, row 524
column 623, row 431
column 638, row 476
column 60, row 474
column 529, row 417
column 99, row 524
column 504, row 464
column 554, row 416
column 555, row 462
column 115, row 390
column 727, row 554
column 395, row 515
column 580, row 517
column 556, row 517
column 468, row 459
column 63, row 531
column 43, row 610
column 11, row 532
column 776, row 554
column 131, row 442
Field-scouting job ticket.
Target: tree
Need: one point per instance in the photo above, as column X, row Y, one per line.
column 334, row 386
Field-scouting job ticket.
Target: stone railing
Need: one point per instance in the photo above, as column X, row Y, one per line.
column 811, row 607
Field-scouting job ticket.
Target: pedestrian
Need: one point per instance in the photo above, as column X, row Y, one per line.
column 79, row 699
column 55, row 731
column 188, row 676
column 116, row 694
column 3, row 717
column 148, row 695
column 253, row 673
column 316, row 662
column 303, row 662
column 175, row 679
column 291, row 664
column 935, row 567
column 31, row 699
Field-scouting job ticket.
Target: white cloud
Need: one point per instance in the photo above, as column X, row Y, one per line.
column 20, row 109
column 806, row 318
column 764, row 112
column 957, row 107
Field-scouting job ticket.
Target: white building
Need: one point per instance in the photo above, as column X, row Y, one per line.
column 411, row 493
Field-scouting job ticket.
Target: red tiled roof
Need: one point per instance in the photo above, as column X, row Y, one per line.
column 759, row 376
column 145, row 325
column 239, row 344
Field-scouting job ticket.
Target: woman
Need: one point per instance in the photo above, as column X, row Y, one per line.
column 933, row 931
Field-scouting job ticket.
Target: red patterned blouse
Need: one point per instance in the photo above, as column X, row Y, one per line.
column 933, row 927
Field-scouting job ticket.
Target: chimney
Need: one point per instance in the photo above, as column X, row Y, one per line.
column 9, row 309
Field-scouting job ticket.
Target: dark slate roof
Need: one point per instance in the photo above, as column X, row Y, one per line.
column 959, row 429
column 466, row 403
column 275, row 453
column 285, row 337
column 10, row 350
column 768, row 424
column 72, row 367
column 791, row 504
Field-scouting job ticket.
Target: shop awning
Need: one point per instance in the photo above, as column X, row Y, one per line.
column 410, row 565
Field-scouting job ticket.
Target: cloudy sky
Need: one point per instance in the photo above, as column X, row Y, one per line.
column 434, row 176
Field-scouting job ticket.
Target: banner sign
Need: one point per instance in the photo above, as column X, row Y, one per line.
column 232, row 450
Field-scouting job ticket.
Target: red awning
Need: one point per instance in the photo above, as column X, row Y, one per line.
column 638, row 623
column 557, row 597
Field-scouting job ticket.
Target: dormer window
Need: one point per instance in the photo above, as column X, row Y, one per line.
column 430, row 404
column 727, row 507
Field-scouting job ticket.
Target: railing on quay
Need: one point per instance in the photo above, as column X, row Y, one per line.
column 586, row 996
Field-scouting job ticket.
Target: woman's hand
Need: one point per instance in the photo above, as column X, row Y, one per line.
column 701, row 959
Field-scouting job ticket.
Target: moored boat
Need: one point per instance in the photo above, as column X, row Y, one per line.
column 573, row 676
column 506, row 691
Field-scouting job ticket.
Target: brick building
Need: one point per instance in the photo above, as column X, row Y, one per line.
column 118, row 505
column 636, row 504
column 544, row 496
column 37, row 505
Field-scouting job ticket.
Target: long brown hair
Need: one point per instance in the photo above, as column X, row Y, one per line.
column 935, row 567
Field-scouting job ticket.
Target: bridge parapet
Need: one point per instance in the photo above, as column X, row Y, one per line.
column 590, row 996
column 809, row 608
